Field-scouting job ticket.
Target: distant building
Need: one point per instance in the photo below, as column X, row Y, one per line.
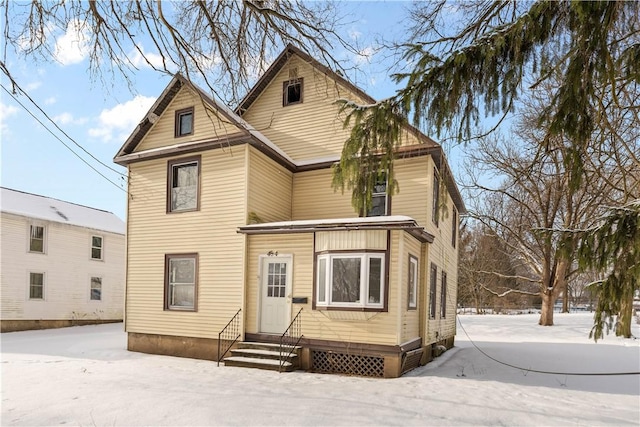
column 61, row 264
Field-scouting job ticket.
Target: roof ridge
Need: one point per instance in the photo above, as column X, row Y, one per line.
column 58, row 200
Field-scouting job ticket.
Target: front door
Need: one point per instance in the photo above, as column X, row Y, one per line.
column 275, row 288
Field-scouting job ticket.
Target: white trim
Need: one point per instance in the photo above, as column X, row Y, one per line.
column 44, row 285
column 365, row 258
column 101, row 248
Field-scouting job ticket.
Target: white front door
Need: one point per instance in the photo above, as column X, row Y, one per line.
column 275, row 288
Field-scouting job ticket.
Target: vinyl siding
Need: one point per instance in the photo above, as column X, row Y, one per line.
column 313, row 197
column 67, row 269
column 290, row 127
column 410, row 318
column 208, row 125
column 269, row 189
column 445, row 256
column 346, row 326
column 210, row 232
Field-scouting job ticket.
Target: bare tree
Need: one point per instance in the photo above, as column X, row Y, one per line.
column 224, row 44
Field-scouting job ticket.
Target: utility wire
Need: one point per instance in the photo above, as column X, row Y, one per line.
column 15, row 84
column 541, row 371
column 63, row 143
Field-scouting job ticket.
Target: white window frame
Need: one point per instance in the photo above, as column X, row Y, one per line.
column 44, row 283
column 44, row 239
column 91, row 288
column 412, row 283
column 101, row 247
column 324, row 286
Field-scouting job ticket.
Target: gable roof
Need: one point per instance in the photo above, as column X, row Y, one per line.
column 49, row 209
column 256, row 138
column 249, row 134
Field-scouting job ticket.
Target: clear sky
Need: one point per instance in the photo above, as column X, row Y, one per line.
column 101, row 115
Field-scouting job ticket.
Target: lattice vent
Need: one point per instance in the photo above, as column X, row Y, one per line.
column 411, row 360
column 349, row 364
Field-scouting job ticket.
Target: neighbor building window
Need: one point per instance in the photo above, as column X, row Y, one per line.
column 435, row 212
column 36, row 238
column 96, row 247
column 96, row 289
column 350, row 280
column 36, row 285
column 454, row 227
column 292, row 92
column 379, row 202
column 184, row 122
column 433, row 279
column 183, row 185
column 413, row 282
column 443, row 296
column 181, row 281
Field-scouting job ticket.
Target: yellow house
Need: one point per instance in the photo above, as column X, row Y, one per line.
column 235, row 235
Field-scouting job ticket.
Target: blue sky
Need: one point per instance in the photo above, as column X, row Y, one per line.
column 101, row 115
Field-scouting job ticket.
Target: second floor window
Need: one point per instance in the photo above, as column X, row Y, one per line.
column 184, row 177
column 379, row 202
column 96, row 247
column 36, row 239
column 435, row 213
column 184, row 122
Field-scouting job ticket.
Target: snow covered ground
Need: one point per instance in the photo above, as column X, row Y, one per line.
column 85, row 376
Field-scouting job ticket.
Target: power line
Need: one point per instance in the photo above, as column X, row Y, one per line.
column 16, row 85
column 541, row 371
column 63, row 143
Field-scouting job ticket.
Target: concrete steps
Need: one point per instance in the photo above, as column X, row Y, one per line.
column 263, row 356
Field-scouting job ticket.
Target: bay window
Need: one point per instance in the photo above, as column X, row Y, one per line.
column 350, row 280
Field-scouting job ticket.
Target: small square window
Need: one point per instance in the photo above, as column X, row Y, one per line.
column 36, row 285
column 184, row 122
column 36, row 239
column 96, row 289
column 292, row 93
column 96, row 247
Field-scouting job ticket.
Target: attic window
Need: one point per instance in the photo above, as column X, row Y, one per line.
column 292, row 92
column 184, row 122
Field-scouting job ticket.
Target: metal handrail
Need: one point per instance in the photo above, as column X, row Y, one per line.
column 293, row 332
column 231, row 332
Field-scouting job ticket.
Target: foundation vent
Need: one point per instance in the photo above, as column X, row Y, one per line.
column 348, row 364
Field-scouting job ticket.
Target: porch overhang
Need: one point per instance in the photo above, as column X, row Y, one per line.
column 396, row 222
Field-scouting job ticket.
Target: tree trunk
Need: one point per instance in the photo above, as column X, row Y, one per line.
column 565, row 297
column 625, row 317
column 546, row 314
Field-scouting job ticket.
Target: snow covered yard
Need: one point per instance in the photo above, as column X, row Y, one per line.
column 85, row 376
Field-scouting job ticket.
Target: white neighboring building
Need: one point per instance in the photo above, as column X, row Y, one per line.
column 61, row 264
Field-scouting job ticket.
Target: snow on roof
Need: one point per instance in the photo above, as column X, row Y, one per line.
column 393, row 219
column 48, row 209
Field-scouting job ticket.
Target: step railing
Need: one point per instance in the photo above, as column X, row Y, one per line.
column 290, row 339
column 229, row 335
